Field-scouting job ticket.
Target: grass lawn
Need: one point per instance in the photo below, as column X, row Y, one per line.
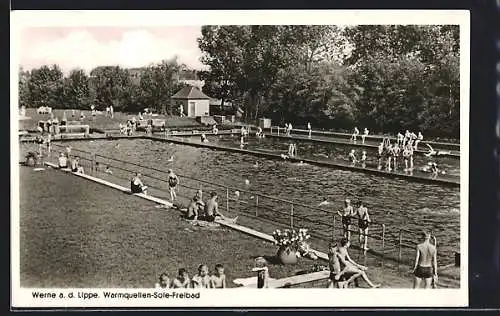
column 76, row 233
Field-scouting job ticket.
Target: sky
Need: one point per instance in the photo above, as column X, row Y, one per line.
column 88, row 47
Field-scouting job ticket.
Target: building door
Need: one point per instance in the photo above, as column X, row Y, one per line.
column 192, row 109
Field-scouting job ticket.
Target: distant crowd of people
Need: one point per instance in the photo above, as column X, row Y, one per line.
column 203, row 279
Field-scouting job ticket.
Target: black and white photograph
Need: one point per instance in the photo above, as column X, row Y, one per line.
column 178, row 158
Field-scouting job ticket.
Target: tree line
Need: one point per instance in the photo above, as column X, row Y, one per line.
column 383, row 77
column 386, row 78
column 128, row 90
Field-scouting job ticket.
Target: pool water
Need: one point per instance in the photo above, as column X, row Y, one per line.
column 333, row 152
column 397, row 203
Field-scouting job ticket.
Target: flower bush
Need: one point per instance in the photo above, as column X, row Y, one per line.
column 290, row 238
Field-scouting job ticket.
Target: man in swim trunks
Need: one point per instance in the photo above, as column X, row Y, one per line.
column 425, row 262
column 389, row 155
column 212, row 209
column 350, row 266
column 173, row 181
column 347, row 215
column 363, row 223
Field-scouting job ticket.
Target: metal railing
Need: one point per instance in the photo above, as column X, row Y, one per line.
column 324, row 225
column 374, row 137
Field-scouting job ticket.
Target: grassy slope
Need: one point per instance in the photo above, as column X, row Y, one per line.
column 75, row 233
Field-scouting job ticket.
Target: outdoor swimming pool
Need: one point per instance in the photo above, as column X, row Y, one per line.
column 335, row 152
column 396, row 203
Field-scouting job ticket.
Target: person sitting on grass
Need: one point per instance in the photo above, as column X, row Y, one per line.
column 164, row 282
column 31, row 156
column 193, row 209
column 63, row 161
column 218, row 280
column 182, row 280
column 212, row 210
column 136, row 185
column 202, row 279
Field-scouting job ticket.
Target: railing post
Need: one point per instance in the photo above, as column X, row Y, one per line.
column 227, row 199
column 256, row 205
column 383, row 244
column 400, row 245
column 291, row 216
column 333, row 227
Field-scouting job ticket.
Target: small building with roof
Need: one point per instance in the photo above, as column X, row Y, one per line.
column 192, row 101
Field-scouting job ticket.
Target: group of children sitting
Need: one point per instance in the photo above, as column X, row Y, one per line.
column 74, row 165
column 202, row 279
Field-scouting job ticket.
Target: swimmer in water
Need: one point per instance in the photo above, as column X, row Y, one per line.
column 285, row 157
column 107, row 170
column 204, row 138
column 170, row 159
column 434, row 169
column 324, row 202
column 256, row 164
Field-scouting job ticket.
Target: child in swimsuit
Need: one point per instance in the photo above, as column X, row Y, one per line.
column 218, row 280
column 164, row 282
column 182, row 280
column 202, row 279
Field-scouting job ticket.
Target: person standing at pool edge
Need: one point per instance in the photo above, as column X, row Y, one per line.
column 425, row 262
column 347, row 215
column 309, row 128
column 363, row 223
column 173, row 181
